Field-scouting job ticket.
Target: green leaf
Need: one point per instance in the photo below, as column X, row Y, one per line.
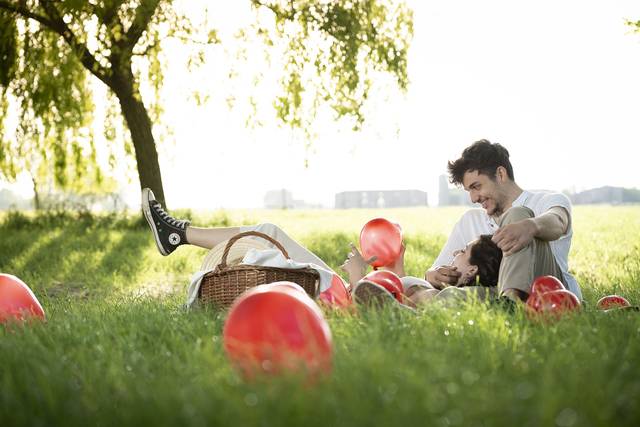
column 213, row 37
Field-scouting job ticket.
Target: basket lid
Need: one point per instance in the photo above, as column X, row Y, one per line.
column 236, row 253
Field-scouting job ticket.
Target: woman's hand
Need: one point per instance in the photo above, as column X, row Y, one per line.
column 443, row 276
column 398, row 265
column 355, row 265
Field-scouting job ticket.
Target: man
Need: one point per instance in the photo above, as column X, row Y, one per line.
column 533, row 230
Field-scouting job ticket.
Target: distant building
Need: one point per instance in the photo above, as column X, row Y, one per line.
column 283, row 199
column 278, row 199
column 375, row 199
column 451, row 196
column 613, row 195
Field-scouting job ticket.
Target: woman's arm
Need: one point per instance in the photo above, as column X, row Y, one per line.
column 356, row 266
column 398, row 265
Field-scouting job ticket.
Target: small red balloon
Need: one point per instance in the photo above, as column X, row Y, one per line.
column 275, row 330
column 383, row 239
column 388, row 280
column 17, row 301
column 612, row 301
column 552, row 303
column 544, row 284
column 337, row 295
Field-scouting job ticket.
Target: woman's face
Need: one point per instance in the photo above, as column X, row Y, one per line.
column 461, row 262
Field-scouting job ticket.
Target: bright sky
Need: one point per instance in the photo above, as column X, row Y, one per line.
column 556, row 82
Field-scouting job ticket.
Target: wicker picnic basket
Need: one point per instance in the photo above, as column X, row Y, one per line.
column 225, row 283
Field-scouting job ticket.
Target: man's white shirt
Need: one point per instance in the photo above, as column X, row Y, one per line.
column 475, row 222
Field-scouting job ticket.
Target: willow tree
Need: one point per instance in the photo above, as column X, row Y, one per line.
column 50, row 49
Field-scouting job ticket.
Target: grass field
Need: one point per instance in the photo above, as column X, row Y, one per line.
column 118, row 348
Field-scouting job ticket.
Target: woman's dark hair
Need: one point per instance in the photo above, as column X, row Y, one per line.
column 481, row 156
column 486, row 255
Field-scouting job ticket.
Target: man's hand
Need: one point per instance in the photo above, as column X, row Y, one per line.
column 355, row 265
column 513, row 237
column 443, row 276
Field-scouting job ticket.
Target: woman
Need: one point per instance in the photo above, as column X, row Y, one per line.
column 478, row 264
column 481, row 258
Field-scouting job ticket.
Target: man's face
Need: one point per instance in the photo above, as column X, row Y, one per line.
column 486, row 191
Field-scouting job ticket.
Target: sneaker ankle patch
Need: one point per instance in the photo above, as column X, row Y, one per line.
column 174, row 239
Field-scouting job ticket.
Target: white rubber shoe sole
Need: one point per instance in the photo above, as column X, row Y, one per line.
column 147, row 196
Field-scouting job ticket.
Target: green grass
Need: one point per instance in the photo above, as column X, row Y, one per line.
column 119, row 349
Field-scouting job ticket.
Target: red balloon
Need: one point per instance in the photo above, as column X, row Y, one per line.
column 17, row 301
column 544, row 284
column 276, row 329
column 612, row 301
column 388, row 280
column 383, row 239
column 553, row 303
column 337, row 295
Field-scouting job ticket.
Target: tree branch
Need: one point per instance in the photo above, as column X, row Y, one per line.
column 144, row 13
column 23, row 11
column 109, row 13
column 57, row 24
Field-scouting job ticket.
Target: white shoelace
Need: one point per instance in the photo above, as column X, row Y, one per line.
column 181, row 224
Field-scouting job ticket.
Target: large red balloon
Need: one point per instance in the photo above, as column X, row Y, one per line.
column 544, row 284
column 275, row 330
column 612, row 301
column 337, row 295
column 288, row 285
column 552, row 303
column 17, row 301
column 388, row 280
column 383, row 239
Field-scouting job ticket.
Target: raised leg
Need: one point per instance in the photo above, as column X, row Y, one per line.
column 169, row 233
column 518, row 270
column 209, row 237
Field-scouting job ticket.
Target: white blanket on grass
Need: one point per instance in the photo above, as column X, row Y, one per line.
column 264, row 258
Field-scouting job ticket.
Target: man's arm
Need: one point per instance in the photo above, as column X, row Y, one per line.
column 552, row 224
column 549, row 226
column 441, row 274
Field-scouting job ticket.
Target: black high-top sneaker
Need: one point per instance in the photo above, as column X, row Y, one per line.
column 168, row 231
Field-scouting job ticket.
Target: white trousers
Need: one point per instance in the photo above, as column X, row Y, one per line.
column 296, row 251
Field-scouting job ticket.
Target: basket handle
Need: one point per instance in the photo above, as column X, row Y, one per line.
column 223, row 262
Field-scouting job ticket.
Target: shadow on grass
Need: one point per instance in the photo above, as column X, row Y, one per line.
column 18, row 249
column 75, row 259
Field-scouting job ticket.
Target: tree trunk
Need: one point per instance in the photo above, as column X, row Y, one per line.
column 139, row 124
column 36, row 194
column 118, row 77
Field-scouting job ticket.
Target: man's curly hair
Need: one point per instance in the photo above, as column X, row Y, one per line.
column 482, row 156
